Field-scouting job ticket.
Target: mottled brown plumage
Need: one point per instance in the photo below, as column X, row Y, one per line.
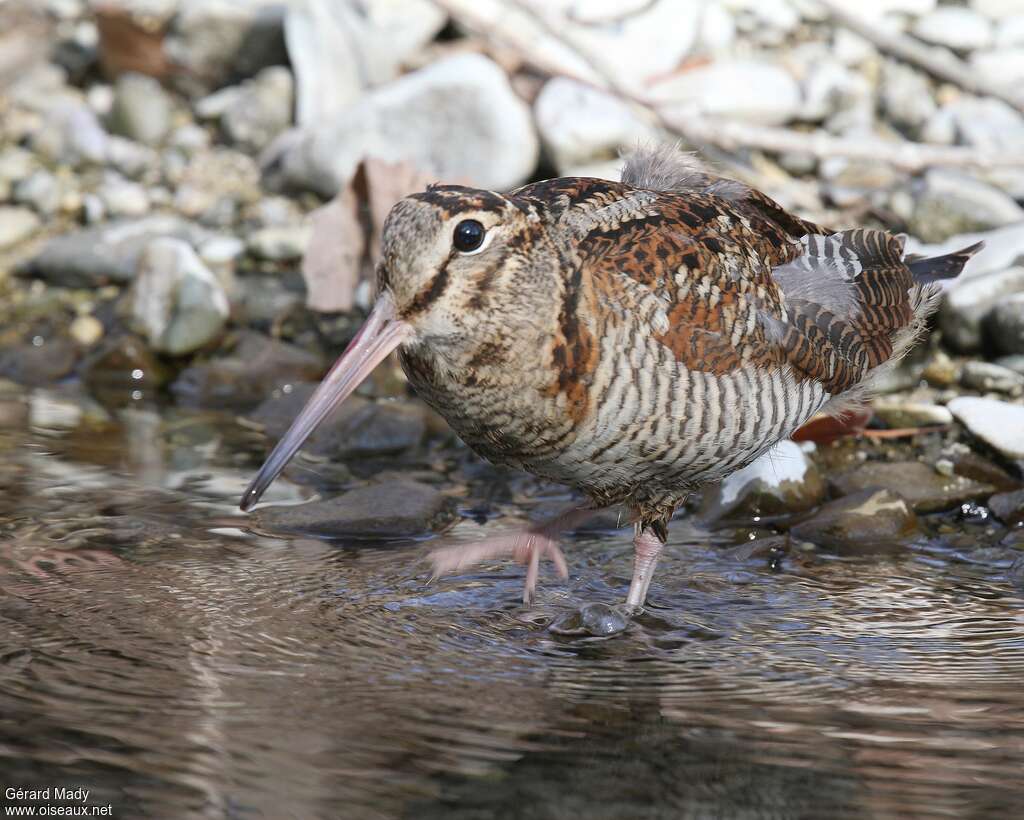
column 635, row 339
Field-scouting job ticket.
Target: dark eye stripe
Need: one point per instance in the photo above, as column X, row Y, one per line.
column 434, row 288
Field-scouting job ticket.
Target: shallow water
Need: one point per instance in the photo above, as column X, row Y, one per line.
column 159, row 654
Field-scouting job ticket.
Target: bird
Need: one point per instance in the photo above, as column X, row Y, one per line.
column 633, row 340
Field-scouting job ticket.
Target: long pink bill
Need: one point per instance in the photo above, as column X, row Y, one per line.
column 381, row 334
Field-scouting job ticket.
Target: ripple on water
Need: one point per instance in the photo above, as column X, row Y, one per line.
column 163, row 658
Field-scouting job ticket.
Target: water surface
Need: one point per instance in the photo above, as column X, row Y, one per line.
column 157, row 652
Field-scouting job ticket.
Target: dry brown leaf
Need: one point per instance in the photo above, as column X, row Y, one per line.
column 823, row 429
column 340, row 252
column 128, row 44
column 333, row 260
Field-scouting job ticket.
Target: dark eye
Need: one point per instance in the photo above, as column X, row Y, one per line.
column 469, row 235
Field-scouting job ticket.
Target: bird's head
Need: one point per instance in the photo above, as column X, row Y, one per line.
column 452, row 261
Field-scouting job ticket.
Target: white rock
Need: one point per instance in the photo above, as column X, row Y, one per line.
column 990, row 125
column 340, row 48
column 953, row 27
column 717, row 29
column 120, row 197
column 458, row 119
column 749, row 90
column 998, row 423
column 830, row 87
column 141, row 110
column 968, row 304
column 579, row 123
column 906, row 97
column 1010, row 32
column 998, row 9
column 280, row 243
column 1004, row 67
column 177, row 303
column 16, row 225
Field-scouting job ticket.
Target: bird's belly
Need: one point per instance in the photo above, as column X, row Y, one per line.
column 665, row 433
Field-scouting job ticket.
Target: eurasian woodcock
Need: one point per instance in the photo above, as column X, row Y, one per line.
column 631, row 339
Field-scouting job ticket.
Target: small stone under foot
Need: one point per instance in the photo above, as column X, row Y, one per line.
column 599, row 620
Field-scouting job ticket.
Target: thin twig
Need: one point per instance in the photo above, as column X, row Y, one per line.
column 941, row 64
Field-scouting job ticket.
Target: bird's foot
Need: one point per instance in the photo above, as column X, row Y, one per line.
column 526, row 547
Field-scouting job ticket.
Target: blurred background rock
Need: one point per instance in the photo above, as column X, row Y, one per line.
column 189, row 187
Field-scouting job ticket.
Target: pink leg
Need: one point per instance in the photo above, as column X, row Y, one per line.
column 525, row 546
column 646, row 549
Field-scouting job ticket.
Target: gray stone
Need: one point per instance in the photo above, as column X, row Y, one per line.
column 131, row 158
column 782, row 481
column 579, row 124
column 989, row 125
column 1013, row 362
column 106, row 253
column 40, row 362
column 142, row 109
column 906, row 97
column 997, row 423
column 72, row 135
column 252, row 371
column 359, row 428
column 870, row 519
column 394, row 510
column 280, row 243
column 949, row 203
column 924, row 488
column 262, row 109
column 1005, row 324
column 40, row 191
column 988, row 377
column 458, row 119
column 215, row 41
column 123, row 198
column 957, row 28
column 16, row 225
column 176, row 302
column 963, row 313
column 750, row 90
column 1008, row 507
column 829, row 87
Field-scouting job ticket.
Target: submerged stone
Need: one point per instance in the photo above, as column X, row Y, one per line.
column 399, row 509
column 599, row 620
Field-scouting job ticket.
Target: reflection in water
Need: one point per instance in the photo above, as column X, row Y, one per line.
column 177, row 665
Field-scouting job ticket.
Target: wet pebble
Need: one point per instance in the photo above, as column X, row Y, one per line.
column 866, row 520
column 358, row 428
column 1008, row 507
column 39, row 362
column 393, row 510
column 920, row 484
column 254, row 368
column 598, row 620
column 123, row 368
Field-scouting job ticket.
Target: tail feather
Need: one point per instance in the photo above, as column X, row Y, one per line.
column 928, row 269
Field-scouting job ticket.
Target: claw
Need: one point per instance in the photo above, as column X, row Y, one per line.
column 525, row 547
